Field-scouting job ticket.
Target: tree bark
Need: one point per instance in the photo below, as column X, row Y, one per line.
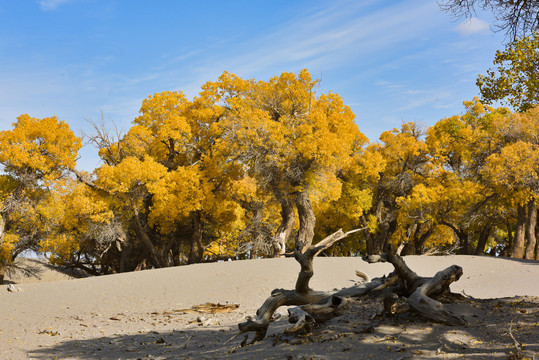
column 420, row 239
column 462, row 238
column 287, row 225
column 197, row 249
column 302, row 294
column 307, row 221
column 483, row 238
column 324, row 305
column 2, row 231
column 176, row 251
column 530, row 230
column 464, row 247
column 510, row 240
column 375, row 243
column 155, row 256
column 520, row 234
column 537, row 241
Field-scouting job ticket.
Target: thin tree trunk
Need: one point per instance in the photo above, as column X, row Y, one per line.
column 420, row 239
column 369, row 237
column 378, row 241
column 197, row 249
column 2, row 231
column 306, row 222
column 125, row 255
column 287, row 225
column 176, row 251
column 464, row 247
column 510, row 239
column 537, row 240
column 2, row 227
column 530, row 230
column 155, row 256
column 520, row 234
column 483, row 238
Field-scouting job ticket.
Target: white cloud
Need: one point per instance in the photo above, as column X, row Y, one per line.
column 473, row 26
column 331, row 36
column 49, row 5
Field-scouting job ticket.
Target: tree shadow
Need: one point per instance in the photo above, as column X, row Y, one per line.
column 523, row 261
column 355, row 335
column 26, row 268
column 35, row 268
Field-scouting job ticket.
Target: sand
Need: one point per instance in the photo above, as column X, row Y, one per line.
column 143, row 315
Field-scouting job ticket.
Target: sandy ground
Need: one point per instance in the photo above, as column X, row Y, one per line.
column 143, row 315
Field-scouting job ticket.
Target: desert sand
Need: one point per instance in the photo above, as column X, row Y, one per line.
column 145, row 315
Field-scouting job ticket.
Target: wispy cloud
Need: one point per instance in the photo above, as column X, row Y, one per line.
column 49, row 5
column 473, row 26
column 334, row 35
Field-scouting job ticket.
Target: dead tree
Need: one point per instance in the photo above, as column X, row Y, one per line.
column 403, row 290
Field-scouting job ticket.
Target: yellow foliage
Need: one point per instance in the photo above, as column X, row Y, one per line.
column 292, row 139
column 515, row 168
column 7, row 244
column 515, row 80
column 7, row 185
column 175, row 195
column 60, row 247
column 72, row 206
column 129, row 175
column 441, row 236
column 47, row 146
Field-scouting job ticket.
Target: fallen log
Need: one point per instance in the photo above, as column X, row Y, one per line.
column 403, row 290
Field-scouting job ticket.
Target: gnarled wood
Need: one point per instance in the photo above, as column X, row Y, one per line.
column 302, row 294
column 303, row 322
column 334, row 306
column 427, row 306
column 420, row 288
column 320, row 306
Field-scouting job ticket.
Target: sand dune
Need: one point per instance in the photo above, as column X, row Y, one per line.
column 106, row 317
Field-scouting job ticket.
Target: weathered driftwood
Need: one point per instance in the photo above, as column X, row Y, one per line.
column 302, row 294
column 303, row 322
column 418, row 290
column 319, row 306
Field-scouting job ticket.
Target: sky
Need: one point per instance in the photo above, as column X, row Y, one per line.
column 391, row 61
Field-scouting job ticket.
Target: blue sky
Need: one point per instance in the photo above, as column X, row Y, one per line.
column 391, row 61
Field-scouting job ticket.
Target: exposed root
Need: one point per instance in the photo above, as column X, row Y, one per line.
column 319, row 306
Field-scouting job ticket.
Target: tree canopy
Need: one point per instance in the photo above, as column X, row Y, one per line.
column 254, row 168
column 515, row 79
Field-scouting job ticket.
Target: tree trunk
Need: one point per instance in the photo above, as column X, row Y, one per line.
column 287, row 225
column 176, row 251
column 197, row 249
column 369, row 237
column 520, row 234
column 307, row 221
column 377, row 242
column 125, row 255
column 483, row 238
column 537, row 241
column 302, row 295
column 155, row 256
column 387, row 224
column 510, row 239
column 420, row 239
column 530, row 230
column 464, row 247
column 2, row 226
column 2, row 231
column 324, row 305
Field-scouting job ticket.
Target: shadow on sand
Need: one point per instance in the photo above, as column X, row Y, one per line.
column 350, row 336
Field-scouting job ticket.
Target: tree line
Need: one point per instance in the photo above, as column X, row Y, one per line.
column 252, row 168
